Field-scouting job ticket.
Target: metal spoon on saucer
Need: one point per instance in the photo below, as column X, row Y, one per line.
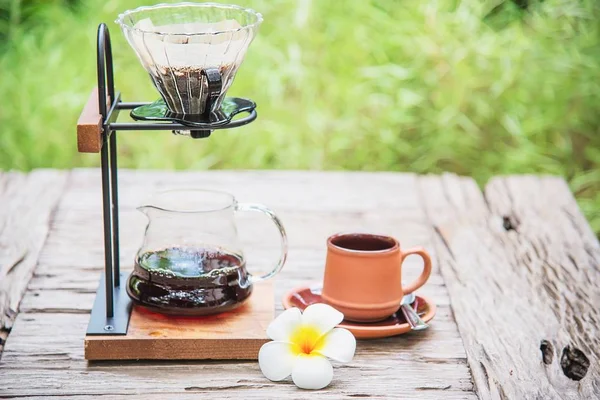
column 415, row 322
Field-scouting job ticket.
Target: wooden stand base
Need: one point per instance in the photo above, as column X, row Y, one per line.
column 238, row 334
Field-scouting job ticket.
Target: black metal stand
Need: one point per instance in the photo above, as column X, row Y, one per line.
column 112, row 307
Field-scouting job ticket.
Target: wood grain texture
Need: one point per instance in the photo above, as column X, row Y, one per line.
column 28, row 202
column 89, row 126
column 237, row 334
column 45, row 354
column 521, row 266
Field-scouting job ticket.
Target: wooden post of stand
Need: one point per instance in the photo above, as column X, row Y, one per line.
column 89, row 126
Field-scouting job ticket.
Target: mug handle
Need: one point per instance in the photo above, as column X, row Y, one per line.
column 420, row 281
column 279, row 225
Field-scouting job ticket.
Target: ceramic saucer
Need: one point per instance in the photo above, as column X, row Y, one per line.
column 396, row 324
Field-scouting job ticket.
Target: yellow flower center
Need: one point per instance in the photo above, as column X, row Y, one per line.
column 306, row 339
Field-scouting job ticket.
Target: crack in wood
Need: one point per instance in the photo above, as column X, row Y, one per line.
column 573, row 262
column 218, row 388
column 443, row 239
column 452, row 361
column 16, row 263
column 592, row 255
column 20, row 396
column 50, row 310
column 485, row 374
column 10, row 315
column 573, row 220
column 540, row 253
column 433, row 387
column 501, row 392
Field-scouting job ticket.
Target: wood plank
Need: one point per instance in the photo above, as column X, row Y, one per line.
column 28, row 202
column 528, row 256
column 55, row 341
column 48, row 335
column 258, row 392
column 47, row 351
column 89, row 125
column 237, row 334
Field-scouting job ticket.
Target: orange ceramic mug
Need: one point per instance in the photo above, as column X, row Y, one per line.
column 363, row 275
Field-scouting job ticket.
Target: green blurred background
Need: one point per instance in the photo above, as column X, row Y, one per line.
column 474, row 87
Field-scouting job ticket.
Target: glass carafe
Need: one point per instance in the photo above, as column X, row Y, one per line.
column 191, row 262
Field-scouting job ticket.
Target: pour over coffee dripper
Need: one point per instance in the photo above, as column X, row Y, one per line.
column 191, row 52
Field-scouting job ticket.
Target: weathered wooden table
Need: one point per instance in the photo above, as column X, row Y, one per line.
column 516, row 280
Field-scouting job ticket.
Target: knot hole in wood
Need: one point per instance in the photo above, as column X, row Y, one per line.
column 547, row 352
column 574, row 363
column 509, row 223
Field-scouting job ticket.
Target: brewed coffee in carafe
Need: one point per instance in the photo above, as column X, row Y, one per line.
column 181, row 280
column 191, row 262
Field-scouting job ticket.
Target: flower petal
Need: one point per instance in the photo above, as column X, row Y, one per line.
column 322, row 316
column 312, row 372
column 281, row 328
column 276, row 360
column 339, row 345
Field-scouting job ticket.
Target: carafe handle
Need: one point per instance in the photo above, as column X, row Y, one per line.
column 279, row 225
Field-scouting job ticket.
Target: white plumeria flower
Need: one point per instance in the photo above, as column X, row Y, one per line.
column 302, row 343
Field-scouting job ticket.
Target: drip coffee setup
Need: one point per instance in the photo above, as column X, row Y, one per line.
column 190, row 264
column 190, row 295
column 183, row 285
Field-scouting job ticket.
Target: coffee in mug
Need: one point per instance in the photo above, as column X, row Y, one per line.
column 363, row 275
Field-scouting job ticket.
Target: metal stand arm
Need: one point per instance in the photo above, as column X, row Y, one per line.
column 112, row 315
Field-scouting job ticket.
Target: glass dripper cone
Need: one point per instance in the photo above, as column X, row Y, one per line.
column 192, row 51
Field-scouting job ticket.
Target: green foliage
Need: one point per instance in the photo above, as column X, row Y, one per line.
column 474, row 87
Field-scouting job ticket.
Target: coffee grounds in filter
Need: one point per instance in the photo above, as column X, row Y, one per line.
column 184, row 88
